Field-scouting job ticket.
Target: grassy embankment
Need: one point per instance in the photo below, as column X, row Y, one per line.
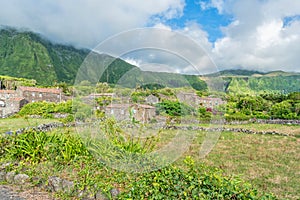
column 270, row 163
column 12, row 124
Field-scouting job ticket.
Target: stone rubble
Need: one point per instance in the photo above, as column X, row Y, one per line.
column 54, row 184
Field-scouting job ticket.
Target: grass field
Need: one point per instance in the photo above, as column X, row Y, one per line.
column 269, row 162
column 13, row 124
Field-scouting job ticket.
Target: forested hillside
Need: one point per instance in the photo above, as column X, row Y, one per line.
column 251, row 82
column 28, row 55
column 25, row 54
column 281, row 84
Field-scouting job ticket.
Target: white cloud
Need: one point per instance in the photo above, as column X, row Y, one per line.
column 84, row 22
column 133, row 61
column 258, row 39
column 196, row 33
column 218, row 4
column 182, row 50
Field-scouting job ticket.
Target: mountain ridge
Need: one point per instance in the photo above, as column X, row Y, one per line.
column 249, row 73
column 25, row 54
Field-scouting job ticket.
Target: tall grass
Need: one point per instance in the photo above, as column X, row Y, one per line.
column 35, row 147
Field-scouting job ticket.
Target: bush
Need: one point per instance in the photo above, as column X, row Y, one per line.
column 35, row 147
column 174, row 108
column 237, row 116
column 194, row 182
column 46, row 109
column 204, row 115
column 261, row 115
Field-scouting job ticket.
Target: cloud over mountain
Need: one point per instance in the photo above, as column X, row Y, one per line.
column 263, row 34
column 84, row 22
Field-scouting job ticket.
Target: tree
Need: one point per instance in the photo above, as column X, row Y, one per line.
column 174, row 108
column 282, row 110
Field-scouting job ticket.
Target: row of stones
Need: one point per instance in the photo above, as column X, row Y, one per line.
column 223, row 129
column 54, row 184
column 266, row 121
column 42, row 127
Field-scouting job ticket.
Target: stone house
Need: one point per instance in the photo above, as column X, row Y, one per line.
column 151, row 99
column 6, row 94
column 12, row 106
column 210, row 102
column 193, row 99
column 11, row 101
column 142, row 113
column 34, row 94
column 97, row 95
column 189, row 98
column 119, row 111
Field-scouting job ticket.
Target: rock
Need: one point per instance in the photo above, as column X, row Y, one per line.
column 88, row 198
column 114, row 192
column 2, row 176
column 10, row 177
column 55, row 184
column 68, row 186
column 100, row 196
column 4, row 165
column 21, row 178
column 85, row 195
column 80, row 194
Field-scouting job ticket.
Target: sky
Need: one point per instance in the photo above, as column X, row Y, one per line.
column 259, row 35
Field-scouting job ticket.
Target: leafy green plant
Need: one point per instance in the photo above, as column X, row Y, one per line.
column 204, row 115
column 126, row 142
column 30, row 146
column 46, row 109
column 174, row 108
column 35, row 147
column 193, row 182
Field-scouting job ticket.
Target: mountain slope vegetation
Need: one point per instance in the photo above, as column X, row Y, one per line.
column 25, row 54
column 251, row 82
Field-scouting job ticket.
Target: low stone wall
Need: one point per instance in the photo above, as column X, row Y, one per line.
column 223, row 129
column 277, row 121
column 41, row 127
column 53, row 184
column 266, row 121
column 54, row 125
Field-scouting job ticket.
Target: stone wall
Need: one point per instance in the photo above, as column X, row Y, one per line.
column 266, row 121
column 223, row 129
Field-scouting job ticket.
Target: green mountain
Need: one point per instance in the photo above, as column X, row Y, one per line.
column 234, row 72
column 253, row 82
column 27, row 55
column 24, row 54
column 105, row 68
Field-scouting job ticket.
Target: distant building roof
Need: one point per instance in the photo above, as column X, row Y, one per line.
column 129, row 105
column 210, row 98
column 7, row 91
column 187, row 93
column 145, row 106
column 101, row 94
column 43, row 90
column 118, row 105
